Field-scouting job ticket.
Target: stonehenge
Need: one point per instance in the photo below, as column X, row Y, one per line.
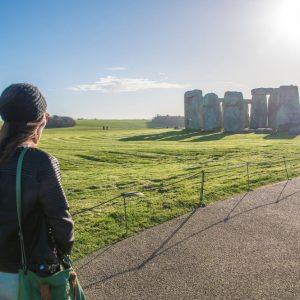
column 272, row 109
column 211, row 113
column 275, row 109
column 259, row 109
column 193, row 109
column 233, row 112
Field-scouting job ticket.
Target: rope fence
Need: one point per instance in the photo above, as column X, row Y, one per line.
column 211, row 182
column 207, row 184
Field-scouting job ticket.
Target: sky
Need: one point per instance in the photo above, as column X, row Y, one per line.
column 126, row 59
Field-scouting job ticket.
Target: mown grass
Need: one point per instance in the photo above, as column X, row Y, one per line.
column 113, row 124
column 97, row 165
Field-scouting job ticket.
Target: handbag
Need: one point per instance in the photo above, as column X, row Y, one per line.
column 63, row 285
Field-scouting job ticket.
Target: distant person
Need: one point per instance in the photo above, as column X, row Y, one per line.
column 44, row 204
column 103, row 128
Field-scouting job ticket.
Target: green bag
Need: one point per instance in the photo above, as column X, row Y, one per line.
column 63, row 285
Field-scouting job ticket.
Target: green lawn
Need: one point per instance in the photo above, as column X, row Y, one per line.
column 112, row 124
column 98, row 165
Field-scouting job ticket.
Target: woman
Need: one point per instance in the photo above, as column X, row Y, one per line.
column 44, row 204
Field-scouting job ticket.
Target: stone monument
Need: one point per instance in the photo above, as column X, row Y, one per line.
column 272, row 109
column 193, row 109
column 288, row 110
column 233, row 112
column 211, row 112
column 246, row 114
column 280, row 112
column 259, row 109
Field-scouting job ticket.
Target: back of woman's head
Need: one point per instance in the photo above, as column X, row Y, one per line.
column 22, row 108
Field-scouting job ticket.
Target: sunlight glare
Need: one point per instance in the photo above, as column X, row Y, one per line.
column 287, row 18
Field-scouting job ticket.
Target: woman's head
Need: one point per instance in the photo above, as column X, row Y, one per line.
column 23, row 110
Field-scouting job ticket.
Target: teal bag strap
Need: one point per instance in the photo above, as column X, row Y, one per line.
column 19, row 209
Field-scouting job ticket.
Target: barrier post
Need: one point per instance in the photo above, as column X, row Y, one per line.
column 125, row 214
column 202, row 188
column 248, row 178
column 285, row 167
column 126, row 195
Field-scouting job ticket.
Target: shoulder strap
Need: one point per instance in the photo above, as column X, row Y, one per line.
column 19, row 210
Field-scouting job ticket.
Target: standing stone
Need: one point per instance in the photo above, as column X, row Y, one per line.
column 289, row 96
column 273, row 104
column 211, row 112
column 259, row 112
column 246, row 114
column 288, row 107
column 259, row 109
column 193, row 109
column 233, row 112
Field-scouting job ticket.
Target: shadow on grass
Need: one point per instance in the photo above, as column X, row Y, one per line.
column 89, row 157
column 197, row 136
column 280, row 136
column 207, row 137
column 179, row 135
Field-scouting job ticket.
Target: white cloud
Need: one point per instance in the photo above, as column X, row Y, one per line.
column 163, row 75
column 116, row 69
column 112, row 84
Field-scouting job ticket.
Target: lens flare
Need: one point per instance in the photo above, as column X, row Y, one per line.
column 287, row 19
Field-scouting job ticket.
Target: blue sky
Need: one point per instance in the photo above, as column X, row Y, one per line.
column 136, row 58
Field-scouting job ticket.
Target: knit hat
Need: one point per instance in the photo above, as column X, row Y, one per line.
column 22, row 102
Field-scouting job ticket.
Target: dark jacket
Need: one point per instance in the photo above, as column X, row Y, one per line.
column 44, row 205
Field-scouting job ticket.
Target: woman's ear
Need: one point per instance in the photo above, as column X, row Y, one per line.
column 47, row 116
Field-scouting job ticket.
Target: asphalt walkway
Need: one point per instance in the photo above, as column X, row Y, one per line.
column 246, row 247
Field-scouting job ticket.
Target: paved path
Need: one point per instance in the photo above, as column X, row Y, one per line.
column 252, row 254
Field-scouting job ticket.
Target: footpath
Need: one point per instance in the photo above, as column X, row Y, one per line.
column 246, row 247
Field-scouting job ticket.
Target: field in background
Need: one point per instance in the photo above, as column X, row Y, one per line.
column 98, row 165
column 113, row 124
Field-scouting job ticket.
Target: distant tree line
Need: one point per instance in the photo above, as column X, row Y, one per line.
column 58, row 122
column 167, row 122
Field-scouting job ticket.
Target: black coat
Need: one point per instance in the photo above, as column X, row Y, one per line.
column 44, row 205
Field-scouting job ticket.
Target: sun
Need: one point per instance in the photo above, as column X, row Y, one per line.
column 287, row 19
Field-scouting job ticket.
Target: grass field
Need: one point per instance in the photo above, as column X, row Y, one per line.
column 97, row 165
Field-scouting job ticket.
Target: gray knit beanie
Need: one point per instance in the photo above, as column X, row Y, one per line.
column 22, row 102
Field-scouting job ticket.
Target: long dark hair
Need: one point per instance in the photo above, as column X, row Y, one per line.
column 12, row 134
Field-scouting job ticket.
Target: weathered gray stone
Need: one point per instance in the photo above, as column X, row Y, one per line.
column 288, row 110
column 289, row 96
column 246, row 114
column 294, row 130
column 281, row 112
column 261, row 91
column 259, row 111
column 211, row 112
column 193, row 109
column 246, row 103
column 273, row 104
column 233, row 112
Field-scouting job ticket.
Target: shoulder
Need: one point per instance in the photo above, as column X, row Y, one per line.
column 41, row 158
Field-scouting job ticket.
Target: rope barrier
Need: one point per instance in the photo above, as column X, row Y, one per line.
column 208, row 175
column 183, row 179
column 227, row 169
column 265, row 163
column 226, row 177
column 260, row 171
column 95, row 206
column 204, row 178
